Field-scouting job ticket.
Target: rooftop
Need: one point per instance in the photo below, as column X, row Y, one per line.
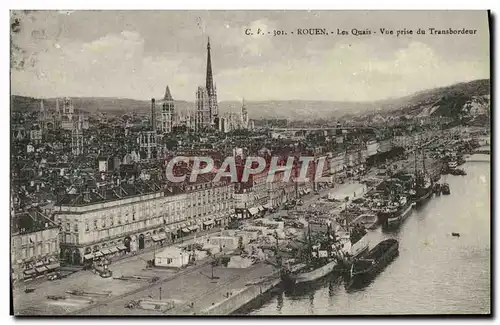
column 86, row 196
column 29, row 221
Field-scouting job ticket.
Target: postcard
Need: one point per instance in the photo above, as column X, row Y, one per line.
column 252, row 163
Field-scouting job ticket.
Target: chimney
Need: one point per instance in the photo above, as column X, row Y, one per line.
column 153, row 115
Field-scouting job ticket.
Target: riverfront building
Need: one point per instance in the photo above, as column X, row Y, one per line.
column 131, row 217
column 34, row 244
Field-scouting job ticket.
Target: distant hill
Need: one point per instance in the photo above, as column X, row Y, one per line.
column 446, row 101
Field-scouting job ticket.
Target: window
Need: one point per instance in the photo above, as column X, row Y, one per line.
column 75, row 227
column 86, row 225
column 95, row 224
column 68, row 227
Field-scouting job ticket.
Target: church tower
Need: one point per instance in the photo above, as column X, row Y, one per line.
column 207, row 108
column 211, row 88
column 77, row 137
column 167, row 112
column 244, row 115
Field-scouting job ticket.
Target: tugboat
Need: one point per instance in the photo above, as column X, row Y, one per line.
column 445, row 189
column 355, row 242
column 396, row 212
column 366, row 268
column 437, row 189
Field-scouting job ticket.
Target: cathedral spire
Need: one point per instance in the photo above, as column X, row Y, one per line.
column 209, row 81
column 168, row 95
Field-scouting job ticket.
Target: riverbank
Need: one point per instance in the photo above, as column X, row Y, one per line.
column 435, row 272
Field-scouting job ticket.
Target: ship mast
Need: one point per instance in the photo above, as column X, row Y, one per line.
column 423, row 160
column 309, row 242
column 329, row 238
column 415, row 160
column 278, row 256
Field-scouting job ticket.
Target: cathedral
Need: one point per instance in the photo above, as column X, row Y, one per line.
column 206, row 100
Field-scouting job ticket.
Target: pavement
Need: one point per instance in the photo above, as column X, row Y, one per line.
column 192, row 291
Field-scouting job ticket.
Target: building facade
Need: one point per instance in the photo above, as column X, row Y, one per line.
column 34, row 250
column 129, row 224
column 148, row 144
column 68, row 111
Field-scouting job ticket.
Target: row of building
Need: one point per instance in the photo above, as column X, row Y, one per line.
column 118, row 216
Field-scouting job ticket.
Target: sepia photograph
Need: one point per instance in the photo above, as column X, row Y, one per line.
column 250, row 162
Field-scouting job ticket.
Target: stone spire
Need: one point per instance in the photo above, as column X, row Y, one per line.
column 209, row 81
column 168, row 95
column 153, row 115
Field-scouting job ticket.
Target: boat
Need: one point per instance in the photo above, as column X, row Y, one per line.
column 396, row 212
column 365, row 268
column 423, row 184
column 308, row 275
column 354, row 242
column 423, row 189
column 458, row 171
column 321, row 260
column 369, row 220
column 445, row 189
column 437, row 188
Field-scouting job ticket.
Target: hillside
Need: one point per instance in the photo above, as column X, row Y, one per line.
column 453, row 101
column 446, row 101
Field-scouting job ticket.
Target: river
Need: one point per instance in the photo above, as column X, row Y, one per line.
column 435, row 273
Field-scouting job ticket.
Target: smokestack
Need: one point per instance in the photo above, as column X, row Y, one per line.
column 153, row 115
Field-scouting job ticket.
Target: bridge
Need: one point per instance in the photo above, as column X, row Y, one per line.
column 483, row 152
column 295, row 129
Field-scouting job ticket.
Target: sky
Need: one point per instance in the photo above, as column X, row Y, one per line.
column 136, row 54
